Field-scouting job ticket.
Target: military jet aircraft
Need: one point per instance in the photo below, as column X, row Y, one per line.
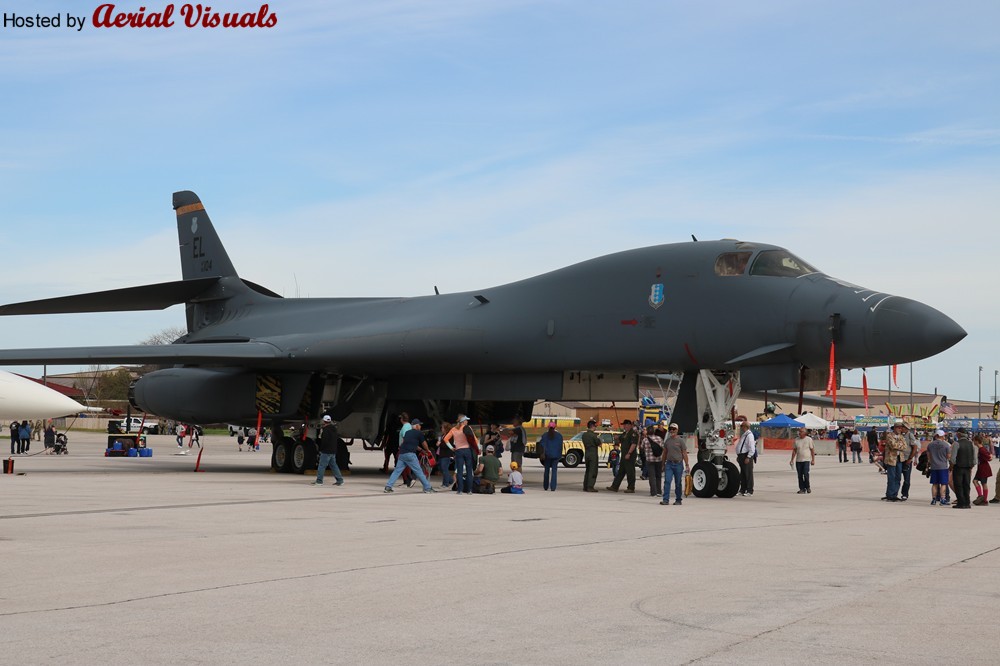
column 22, row 398
column 583, row 332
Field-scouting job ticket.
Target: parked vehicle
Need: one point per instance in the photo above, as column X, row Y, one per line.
column 573, row 447
column 133, row 424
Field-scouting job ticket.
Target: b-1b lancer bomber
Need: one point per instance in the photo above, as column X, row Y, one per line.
column 715, row 311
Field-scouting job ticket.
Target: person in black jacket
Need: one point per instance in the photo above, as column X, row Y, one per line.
column 517, row 441
column 329, row 441
column 963, row 459
column 872, row 445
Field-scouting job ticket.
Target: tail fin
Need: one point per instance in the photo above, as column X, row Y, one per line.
column 202, row 253
column 209, row 279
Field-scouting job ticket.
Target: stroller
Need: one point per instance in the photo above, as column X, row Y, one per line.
column 60, row 445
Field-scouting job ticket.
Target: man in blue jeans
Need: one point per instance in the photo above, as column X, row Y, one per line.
column 328, row 440
column 895, row 445
column 675, row 454
column 551, row 444
column 413, row 440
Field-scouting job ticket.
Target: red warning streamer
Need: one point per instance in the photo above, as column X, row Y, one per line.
column 894, row 382
column 831, row 383
column 864, row 387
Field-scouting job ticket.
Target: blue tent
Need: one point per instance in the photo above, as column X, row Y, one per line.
column 782, row 421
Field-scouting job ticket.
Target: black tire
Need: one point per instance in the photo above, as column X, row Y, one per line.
column 281, row 458
column 704, row 479
column 572, row 458
column 304, row 456
column 729, row 480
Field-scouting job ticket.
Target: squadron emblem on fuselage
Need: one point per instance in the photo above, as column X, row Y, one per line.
column 656, row 296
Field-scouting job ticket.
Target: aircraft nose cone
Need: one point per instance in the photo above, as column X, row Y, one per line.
column 904, row 330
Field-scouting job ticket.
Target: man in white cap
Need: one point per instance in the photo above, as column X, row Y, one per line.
column 937, row 459
column 675, row 456
column 489, row 471
column 329, row 438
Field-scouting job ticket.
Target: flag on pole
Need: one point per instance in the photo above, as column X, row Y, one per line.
column 894, row 382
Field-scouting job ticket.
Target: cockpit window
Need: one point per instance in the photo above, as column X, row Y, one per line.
column 780, row 263
column 732, row 263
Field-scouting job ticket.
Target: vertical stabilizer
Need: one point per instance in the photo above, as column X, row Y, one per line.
column 202, row 253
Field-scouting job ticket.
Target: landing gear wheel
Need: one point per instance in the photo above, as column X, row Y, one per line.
column 729, row 480
column 571, row 459
column 304, row 456
column 704, row 479
column 281, row 459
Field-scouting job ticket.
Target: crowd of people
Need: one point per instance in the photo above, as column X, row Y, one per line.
column 23, row 432
column 954, row 464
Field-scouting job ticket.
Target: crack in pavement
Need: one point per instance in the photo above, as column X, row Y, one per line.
column 390, row 565
column 882, row 590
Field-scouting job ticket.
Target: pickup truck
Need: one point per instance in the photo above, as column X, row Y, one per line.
column 132, row 425
column 573, row 448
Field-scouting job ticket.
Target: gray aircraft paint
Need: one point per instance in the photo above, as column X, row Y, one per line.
column 653, row 309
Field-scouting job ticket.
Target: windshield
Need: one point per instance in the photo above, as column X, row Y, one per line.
column 732, row 263
column 780, row 263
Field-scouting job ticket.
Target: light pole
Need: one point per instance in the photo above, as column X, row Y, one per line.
column 980, row 391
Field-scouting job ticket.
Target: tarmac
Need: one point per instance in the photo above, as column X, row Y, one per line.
column 141, row 560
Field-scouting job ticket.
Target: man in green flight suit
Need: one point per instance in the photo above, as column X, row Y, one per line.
column 591, row 446
column 626, row 468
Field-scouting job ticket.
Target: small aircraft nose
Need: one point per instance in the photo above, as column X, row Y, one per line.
column 906, row 330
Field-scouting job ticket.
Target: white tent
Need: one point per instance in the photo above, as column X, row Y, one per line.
column 812, row 421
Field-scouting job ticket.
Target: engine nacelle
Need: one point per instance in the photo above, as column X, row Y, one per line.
column 218, row 395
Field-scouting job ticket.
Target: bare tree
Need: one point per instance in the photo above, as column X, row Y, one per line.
column 163, row 337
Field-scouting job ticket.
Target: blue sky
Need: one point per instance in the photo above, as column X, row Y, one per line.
column 384, row 147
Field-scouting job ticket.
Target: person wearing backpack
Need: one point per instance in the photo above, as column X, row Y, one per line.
column 652, row 447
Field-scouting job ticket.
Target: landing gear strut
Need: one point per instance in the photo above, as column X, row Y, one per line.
column 715, row 397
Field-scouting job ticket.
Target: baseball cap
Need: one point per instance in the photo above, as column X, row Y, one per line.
column 626, row 422
column 416, row 422
column 462, row 417
column 327, row 418
column 513, row 465
column 552, row 424
column 674, row 426
column 939, row 433
column 489, row 447
column 591, row 422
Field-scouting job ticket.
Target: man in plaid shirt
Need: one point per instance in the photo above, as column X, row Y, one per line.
column 895, row 443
